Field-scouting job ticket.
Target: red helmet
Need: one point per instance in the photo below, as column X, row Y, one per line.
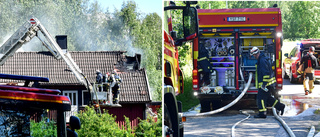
column 108, row 74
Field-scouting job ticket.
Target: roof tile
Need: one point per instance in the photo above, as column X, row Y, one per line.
column 134, row 87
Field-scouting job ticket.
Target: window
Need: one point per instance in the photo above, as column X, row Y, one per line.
column 73, row 95
column 293, row 52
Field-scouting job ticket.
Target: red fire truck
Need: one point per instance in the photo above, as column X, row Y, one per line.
column 292, row 60
column 225, row 39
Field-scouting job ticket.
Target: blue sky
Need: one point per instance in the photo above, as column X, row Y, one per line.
column 144, row 6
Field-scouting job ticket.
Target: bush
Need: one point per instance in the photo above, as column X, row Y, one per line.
column 44, row 128
column 98, row 125
column 150, row 128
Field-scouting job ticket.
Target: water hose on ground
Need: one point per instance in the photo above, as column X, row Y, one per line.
column 311, row 132
column 227, row 106
column 233, row 134
column 283, row 123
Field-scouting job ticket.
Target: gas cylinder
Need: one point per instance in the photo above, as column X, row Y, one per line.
column 213, row 78
column 232, row 80
column 226, row 78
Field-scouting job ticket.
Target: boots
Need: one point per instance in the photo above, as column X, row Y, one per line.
column 306, row 92
column 261, row 115
column 280, row 107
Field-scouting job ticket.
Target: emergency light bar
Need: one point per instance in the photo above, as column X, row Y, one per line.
column 236, row 18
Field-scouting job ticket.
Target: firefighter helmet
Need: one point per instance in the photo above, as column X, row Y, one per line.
column 254, row 51
column 114, row 72
column 311, row 49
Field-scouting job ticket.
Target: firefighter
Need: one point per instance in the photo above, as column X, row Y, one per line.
column 204, row 66
column 265, row 80
column 99, row 78
column 308, row 63
column 116, row 87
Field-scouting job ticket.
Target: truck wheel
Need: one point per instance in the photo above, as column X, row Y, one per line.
column 216, row 104
column 292, row 79
column 284, row 74
column 205, row 106
column 172, row 119
column 167, row 121
column 181, row 132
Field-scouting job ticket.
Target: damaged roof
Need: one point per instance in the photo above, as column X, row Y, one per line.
column 134, row 88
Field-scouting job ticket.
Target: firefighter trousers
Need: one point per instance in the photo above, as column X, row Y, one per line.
column 265, row 98
column 308, row 82
column 115, row 92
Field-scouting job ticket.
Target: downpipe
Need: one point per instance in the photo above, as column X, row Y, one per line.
column 283, row 123
column 227, row 106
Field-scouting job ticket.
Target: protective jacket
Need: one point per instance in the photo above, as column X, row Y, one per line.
column 203, row 60
column 264, row 73
column 309, row 60
column 99, row 78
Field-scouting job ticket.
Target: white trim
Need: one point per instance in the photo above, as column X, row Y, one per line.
column 150, row 95
column 74, row 108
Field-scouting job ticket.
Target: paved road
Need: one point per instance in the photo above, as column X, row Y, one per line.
column 299, row 116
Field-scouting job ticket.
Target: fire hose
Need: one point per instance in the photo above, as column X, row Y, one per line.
column 233, row 134
column 227, row 106
column 283, row 123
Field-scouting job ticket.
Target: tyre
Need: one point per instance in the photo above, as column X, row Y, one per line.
column 171, row 118
column 167, row 121
column 292, row 79
column 205, row 106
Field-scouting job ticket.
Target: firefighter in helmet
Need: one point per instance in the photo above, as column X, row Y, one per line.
column 308, row 64
column 116, row 87
column 265, row 80
column 99, row 78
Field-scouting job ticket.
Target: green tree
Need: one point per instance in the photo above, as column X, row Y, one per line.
column 104, row 125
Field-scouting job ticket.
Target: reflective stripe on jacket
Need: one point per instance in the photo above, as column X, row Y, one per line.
column 264, row 73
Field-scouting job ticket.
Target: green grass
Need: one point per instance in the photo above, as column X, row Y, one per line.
column 187, row 98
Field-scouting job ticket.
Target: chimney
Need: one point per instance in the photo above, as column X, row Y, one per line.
column 62, row 42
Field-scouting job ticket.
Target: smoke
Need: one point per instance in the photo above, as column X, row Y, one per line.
column 88, row 30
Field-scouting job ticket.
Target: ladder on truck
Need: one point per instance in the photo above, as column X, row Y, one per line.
column 28, row 31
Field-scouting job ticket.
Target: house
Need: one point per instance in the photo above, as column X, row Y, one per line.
column 134, row 90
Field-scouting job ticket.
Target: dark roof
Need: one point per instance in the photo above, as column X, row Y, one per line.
column 134, row 88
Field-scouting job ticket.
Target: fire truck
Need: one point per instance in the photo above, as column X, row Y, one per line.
column 18, row 103
column 221, row 59
column 292, row 61
column 173, row 76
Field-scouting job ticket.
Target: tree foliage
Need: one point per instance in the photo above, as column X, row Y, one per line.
column 150, row 127
column 91, row 28
column 101, row 125
column 44, row 128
